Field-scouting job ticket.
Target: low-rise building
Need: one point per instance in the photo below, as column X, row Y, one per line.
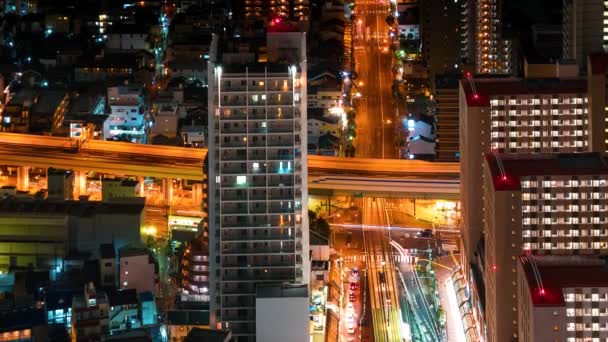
column 138, row 270
column 128, row 117
column 149, row 313
column 47, row 114
column 124, row 310
column 108, row 267
column 116, row 189
column 23, row 324
column 90, row 315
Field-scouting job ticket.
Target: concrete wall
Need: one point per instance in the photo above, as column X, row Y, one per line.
column 282, row 319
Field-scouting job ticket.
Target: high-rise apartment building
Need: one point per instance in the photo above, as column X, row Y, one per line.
column 493, row 52
column 297, row 10
column 515, row 116
column 562, row 298
column 520, row 116
column 537, row 204
column 258, row 228
column 584, row 28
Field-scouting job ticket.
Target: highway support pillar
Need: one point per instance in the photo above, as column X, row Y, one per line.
column 80, row 183
column 168, row 190
column 197, row 194
column 23, row 178
column 140, row 184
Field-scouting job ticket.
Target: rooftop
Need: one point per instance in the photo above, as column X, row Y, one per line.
column 516, row 166
column 548, row 275
column 122, row 297
column 12, row 206
column 489, row 87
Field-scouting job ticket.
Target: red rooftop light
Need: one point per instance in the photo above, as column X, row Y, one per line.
column 542, row 292
column 467, row 74
column 504, row 178
column 475, row 96
column 493, row 267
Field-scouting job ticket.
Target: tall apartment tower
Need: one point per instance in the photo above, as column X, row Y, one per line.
column 493, row 53
column 519, row 116
column 258, row 216
column 538, row 204
column 297, row 10
column 584, row 27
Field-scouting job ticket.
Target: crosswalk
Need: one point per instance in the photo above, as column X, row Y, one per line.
column 409, row 258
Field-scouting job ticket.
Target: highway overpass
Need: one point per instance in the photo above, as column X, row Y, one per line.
column 447, row 189
column 327, row 175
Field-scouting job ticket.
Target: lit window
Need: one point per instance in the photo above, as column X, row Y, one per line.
column 241, row 180
column 124, row 283
column 256, row 165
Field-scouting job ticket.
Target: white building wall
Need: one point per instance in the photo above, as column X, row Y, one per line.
column 136, row 272
column 282, row 319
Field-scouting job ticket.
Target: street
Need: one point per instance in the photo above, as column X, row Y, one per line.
column 382, row 282
column 376, row 113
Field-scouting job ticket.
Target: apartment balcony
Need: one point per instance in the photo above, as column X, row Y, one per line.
column 238, row 303
column 239, row 208
column 244, row 318
column 248, row 236
column 262, row 264
column 258, row 251
column 233, row 143
column 260, row 276
column 238, row 290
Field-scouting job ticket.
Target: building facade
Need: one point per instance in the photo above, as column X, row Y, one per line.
column 537, row 204
column 258, row 224
column 562, row 298
column 584, row 28
column 493, row 53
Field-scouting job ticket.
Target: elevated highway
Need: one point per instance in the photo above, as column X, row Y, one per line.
column 109, row 157
column 326, row 174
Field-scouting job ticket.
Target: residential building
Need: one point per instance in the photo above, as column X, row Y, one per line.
column 124, row 310
column 447, row 119
column 90, row 315
column 517, row 116
column 165, row 121
column 138, row 269
column 195, row 271
column 128, row 116
column 23, row 324
column 128, row 37
column 285, row 309
column 583, row 28
column 258, row 222
column 286, row 9
column 511, row 115
column 47, row 114
column 58, row 306
column 493, row 53
column 537, row 204
column 562, row 298
column 441, row 35
column 108, row 267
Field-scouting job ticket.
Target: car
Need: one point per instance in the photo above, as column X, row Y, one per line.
column 354, row 286
column 349, row 307
column 351, row 297
column 350, row 327
column 355, row 271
